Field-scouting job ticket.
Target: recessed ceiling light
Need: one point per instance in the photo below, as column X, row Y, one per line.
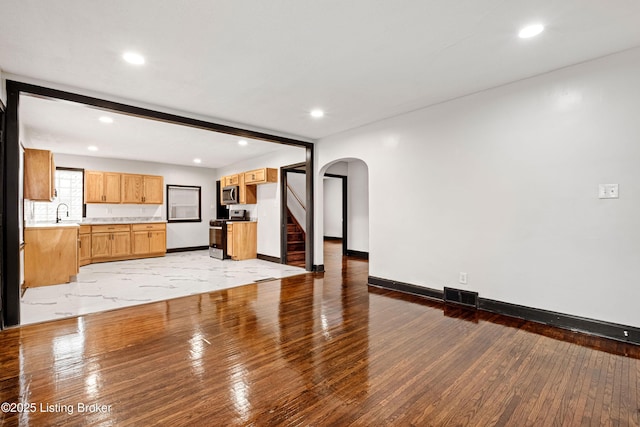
column 243, row 142
column 105, row 119
column 133, row 58
column 317, row 113
column 197, row 161
column 92, row 148
column 531, row 31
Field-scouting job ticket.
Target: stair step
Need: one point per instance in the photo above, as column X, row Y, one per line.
column 295, row 256
column 297, row 264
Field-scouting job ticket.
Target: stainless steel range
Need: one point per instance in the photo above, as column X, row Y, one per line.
column 218, row 233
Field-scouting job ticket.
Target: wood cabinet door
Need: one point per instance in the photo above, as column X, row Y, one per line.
column 254, row 177
column 157, row 242
column 131, row 188
column 141, row 241
column 100, row 245
column 93, row 190
column 230, row 240
column 121, row 244
column 84, row 250
column 39, row 177
column 111, row 186
column 153, row 190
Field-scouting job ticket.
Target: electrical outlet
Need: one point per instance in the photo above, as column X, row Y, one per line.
column 608, row 191
column 462, row 278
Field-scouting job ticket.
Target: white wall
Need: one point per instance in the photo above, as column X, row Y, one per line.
column 267, row 209
column 3, row 89
column 179, row 235
column 332, row 207
column 357, row 206
column 503, row 185
column 297, row 183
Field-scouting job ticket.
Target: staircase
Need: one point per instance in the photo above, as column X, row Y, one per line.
column 295, row 242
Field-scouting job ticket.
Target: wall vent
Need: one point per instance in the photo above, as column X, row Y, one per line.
column 459, row 296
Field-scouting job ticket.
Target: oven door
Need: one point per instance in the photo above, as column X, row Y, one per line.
column 217, row 241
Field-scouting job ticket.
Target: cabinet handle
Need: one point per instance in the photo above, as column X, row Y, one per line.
column 149, row 234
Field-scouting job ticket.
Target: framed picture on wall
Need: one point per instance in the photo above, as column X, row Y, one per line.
column 183, row 203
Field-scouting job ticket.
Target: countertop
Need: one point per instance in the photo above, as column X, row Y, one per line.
column 111, row 222
column 52, row 225
column 105, row 221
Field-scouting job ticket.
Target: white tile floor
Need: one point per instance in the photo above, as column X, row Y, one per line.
column 110, row 285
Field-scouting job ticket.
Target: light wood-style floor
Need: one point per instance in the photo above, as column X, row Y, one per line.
column 321, row 350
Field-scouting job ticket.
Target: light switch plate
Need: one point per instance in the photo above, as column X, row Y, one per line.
column 608, row 191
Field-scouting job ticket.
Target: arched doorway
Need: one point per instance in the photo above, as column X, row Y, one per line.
column 344, row 229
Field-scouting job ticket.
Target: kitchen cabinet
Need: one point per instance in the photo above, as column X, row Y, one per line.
column 247, row 193
column 148, row 239
column 230, row 180
column 242, row 240
column 84, row 245
column 101, row 187
column 142, row 189
column 110, row 241
column 261, row 176
column 39, row 175
column 50, row 255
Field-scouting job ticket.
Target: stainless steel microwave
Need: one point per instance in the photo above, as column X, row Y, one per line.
column 230, row 194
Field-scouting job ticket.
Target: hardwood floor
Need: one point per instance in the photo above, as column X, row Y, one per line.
column 316, row 349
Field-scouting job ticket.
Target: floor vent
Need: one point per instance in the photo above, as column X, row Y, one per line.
column 458, row 296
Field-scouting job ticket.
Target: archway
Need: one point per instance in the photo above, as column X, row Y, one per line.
column 345, row 207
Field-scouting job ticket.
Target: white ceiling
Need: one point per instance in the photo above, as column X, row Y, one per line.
column 70, row 128
column 267, row 63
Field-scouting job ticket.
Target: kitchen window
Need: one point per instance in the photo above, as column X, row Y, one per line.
column 69, row 190
column 183, row 203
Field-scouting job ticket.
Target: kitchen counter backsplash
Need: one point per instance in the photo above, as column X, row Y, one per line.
column 123, row 220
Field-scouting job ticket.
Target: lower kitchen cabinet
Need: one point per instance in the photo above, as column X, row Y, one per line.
column 149, row 239
column 50, row 255
column 110, row 241
column 84, row 245
column 118, row 242
column 242, row 240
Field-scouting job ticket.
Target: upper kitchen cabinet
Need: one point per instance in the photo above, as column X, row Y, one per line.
column 101, row 187
column 230, row 180
column 39, row 175
column 261, row 176
column 147, row 189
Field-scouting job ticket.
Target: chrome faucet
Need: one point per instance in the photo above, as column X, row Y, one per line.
column 58, row 219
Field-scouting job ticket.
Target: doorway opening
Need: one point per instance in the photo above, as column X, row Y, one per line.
column 345, row 213
column 294, row 214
